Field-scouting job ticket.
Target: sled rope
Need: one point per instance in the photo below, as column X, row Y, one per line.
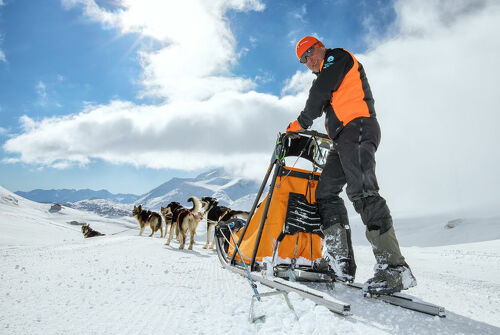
column 235, row 247
column 61, row 226
column 124, row 230
column 290, row 171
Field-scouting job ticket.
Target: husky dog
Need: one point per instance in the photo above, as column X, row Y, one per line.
column 215, row 214
column 145, row 217
column 89, row 232
column 186, row 221
column 168, row 216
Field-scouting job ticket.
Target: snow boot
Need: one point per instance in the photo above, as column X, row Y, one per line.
column 392, row 273
column 322, row 265
column 390, row 279
column 338, row 254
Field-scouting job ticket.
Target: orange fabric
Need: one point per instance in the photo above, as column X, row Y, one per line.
column 294, row 126
column 347, row 101
column 305, row 43
column 274, row 224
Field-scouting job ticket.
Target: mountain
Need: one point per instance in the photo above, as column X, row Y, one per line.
column 71, row 195
column 102, row 207
column 230, row 191
column 235, row 192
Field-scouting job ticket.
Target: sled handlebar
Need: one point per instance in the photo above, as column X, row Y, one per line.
column 305, row 132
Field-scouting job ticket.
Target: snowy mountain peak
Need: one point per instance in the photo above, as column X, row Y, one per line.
column 215, row 183
column 8, row 198
column 218, row 172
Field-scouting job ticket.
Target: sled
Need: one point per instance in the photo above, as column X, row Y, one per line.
column 281, row 240
column 282, row 233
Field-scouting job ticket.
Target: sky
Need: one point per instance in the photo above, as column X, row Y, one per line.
column 124, row 95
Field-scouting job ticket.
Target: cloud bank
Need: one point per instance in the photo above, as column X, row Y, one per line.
column 433, row 77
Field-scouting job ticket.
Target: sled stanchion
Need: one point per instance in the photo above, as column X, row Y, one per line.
column 264, row 216
column 274, row 160
column 252, row 211
column 261, row 190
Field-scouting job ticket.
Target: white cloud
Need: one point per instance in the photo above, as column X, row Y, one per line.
column 41, row 91
column 2, row 54
column 434, row 82
column 183, row 135
column 199, row 48
column 3, row 58
column 435, row 85
column 299, row 83
column 300, row 13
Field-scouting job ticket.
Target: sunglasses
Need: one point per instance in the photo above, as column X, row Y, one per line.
column 307, row 53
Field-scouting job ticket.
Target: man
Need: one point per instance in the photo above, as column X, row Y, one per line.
column 342, row 92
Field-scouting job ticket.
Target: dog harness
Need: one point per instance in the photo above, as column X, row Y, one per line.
column 222, row 216
column 181, row 214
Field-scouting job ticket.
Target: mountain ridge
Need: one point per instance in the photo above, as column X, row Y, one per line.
column 217, row 183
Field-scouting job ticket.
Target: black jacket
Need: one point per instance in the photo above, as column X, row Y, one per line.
column 341, row 91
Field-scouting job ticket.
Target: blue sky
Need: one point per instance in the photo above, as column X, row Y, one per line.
column 125, row 95
column 58, row 60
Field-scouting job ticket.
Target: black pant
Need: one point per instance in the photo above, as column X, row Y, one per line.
column 352, row 162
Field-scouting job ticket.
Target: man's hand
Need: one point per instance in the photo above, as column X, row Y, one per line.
column 294, row 126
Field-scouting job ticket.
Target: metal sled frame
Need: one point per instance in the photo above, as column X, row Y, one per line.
column 288, row 144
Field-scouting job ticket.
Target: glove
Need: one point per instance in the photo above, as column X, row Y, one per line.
column 294, row 126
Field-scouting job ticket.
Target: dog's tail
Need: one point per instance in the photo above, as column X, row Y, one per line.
column 196, row 204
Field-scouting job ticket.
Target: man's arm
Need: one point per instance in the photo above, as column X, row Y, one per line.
column 328, row 81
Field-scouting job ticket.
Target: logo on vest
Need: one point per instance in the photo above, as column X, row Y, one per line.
column 329, row 61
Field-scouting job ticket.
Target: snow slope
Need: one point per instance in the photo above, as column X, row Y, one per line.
column 53, row 281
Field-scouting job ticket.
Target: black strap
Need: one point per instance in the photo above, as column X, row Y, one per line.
column 301, row 216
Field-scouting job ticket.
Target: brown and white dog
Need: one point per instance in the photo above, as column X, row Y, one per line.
column 215, row 213
column 186, row 221
column 145, row 217
column 89, row 232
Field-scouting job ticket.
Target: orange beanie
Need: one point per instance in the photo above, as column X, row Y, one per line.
column 305, row 43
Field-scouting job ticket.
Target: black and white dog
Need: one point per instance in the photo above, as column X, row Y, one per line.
column 170, row 214
column 215, row 213
column 89, row 232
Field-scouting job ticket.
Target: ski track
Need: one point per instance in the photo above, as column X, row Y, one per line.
column 126, row 284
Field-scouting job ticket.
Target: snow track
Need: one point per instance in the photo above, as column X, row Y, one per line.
column 137, row 285
column 55, row 282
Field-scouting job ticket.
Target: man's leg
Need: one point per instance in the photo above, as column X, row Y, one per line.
column 357, row 145
column 338, row 252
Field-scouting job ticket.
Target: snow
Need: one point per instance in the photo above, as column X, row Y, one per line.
column 53, row 281
column 214, row 187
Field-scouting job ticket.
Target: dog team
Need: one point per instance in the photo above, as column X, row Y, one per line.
column 184, row 221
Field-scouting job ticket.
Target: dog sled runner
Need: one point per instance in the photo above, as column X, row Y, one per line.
column 279, row 243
